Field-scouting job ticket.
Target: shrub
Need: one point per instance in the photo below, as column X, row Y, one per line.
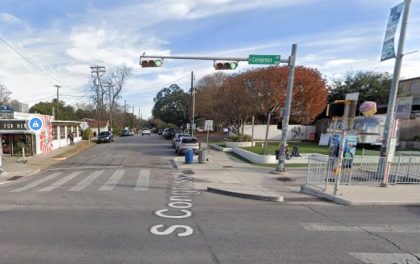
column 87, row 134
column 237, row 138
column 116, row 131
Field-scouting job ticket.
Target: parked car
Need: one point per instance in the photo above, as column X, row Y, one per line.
column 145, row 132
column 105, row 136
column 187, row 143
column 165, row 131
column 160, row 132
column 170, row 133
column 130, row 132
column 177, row 138
column 125, row 133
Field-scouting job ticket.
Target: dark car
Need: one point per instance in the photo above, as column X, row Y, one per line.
column 170, row 133
column 125, row 133
column 105, row 136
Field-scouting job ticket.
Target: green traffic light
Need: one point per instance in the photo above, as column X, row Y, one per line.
column 158, row 63
column 233, row 65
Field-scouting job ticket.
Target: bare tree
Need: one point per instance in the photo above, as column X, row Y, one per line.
column 4, row 94
column 116, row 81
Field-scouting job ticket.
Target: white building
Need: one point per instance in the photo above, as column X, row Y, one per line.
column 16, row 133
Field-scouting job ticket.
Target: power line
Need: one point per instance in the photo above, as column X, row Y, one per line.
column 27, row 59
column 157, row 87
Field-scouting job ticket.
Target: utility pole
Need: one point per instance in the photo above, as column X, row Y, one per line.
column 139, row 118
column 109, row 86
column 192, row 104
column 385, row 161
column 133, row 118
column 97, row 70
column 286, row 113
column 58, row 100
column 125, row 106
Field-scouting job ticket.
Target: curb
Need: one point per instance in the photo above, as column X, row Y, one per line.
column 246, row 195
column 343, row 201
column 330, row 197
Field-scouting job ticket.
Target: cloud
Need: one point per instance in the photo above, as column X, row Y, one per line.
column 9, row 19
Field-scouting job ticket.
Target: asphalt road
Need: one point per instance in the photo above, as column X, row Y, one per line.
column 123, row 203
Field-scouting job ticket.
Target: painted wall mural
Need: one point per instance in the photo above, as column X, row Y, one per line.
column 46, row 137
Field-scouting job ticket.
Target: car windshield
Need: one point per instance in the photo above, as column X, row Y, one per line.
column 104, row 134
column 189, row 140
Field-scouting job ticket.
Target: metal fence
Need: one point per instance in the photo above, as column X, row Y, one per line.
column 323, row 170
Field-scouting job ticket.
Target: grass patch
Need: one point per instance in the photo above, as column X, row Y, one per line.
column 290, row 165
column 304, row 147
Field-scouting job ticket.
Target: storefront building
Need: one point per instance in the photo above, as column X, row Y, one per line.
column 16, row 135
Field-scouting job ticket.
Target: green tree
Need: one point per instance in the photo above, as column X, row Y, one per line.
column 371, row 86
column 45, row 108
column 171, row 105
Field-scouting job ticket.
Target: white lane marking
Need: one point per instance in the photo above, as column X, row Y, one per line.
column 188, row 231
column 143, row 181
column 36, row 183
column 112, row 181
column 323, row 227
column 60, row 182
column 86, row 181
column 386, row 258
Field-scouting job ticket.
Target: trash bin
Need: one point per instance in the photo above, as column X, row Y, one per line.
column 277, row 154
column 202, row 156
column 189, row 156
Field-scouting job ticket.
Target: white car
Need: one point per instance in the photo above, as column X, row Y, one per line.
column 145, row 132
column 187, row 143
column 177, row 138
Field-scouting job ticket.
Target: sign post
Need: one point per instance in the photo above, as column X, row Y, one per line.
column 208, row 125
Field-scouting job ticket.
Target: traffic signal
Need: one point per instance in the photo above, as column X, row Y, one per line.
column 225, row 65
column 146, row 63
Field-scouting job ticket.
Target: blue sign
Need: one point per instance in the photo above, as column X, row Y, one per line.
column 35, row 124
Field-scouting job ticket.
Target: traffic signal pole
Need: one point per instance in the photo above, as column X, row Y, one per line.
column 286, row 112
column 386, row 159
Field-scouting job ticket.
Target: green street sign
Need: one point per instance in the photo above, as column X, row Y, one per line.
column 264, row 59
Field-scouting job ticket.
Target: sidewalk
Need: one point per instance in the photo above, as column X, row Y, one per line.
column 225, row 174
column 38, row 163
column 400, row 194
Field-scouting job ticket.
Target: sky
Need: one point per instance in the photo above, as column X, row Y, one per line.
column 48, row 42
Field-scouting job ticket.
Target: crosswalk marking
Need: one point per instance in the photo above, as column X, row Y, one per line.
column 324, row 227
column 86, row 181
column 143, row 181
column 112, row 181
column 387, row 258
column 60, row 182
column 36, row 183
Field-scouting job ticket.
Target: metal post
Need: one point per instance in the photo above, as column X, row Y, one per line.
column 193, row 104
column 266, row 133
column 286, row 113
column 384, row 164
column 1, row 154
column 252, row 133
column 58, row 101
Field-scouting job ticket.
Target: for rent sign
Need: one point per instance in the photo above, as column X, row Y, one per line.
column 13, row 125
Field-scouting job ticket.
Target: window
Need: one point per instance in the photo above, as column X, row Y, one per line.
column 62, row 132
column 55, row 132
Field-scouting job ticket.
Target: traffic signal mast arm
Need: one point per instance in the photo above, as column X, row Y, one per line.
column 219, row 62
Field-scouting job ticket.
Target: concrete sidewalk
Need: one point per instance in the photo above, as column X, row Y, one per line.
column 400, row 194
column 38, row 163
column 225, row 174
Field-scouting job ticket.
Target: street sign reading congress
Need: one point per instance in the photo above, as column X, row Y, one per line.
column 264, row 59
